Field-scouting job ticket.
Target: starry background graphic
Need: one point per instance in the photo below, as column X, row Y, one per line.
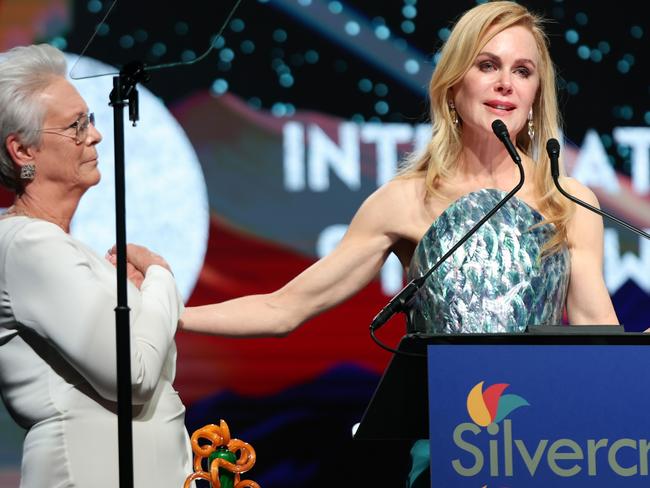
column 275, row 60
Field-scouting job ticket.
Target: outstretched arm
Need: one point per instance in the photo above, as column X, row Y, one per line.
column 329, row 281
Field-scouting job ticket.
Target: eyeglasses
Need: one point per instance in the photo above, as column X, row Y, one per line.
column 80, row 126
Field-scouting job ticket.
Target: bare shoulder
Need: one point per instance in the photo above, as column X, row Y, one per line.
column 392, row 206
column 578, row 190
column 397, row 193
column 410, row 186
column 585, row 229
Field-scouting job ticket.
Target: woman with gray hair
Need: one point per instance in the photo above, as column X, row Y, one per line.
column 57, row 299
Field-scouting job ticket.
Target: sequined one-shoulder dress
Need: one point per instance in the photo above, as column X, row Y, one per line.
column 496, row 281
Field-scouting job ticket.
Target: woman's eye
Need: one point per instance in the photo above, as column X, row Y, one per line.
column 524, row 72
column 486, row 66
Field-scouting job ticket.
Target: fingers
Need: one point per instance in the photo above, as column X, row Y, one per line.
column 134, row 275
column 111, row 258
column 139, row 257
column 142, row 258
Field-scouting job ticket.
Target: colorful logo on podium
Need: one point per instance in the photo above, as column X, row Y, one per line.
column 482, row 437
column 491, row 406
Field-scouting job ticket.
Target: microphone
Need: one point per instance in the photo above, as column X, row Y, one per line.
column 501, row 132
column 405, row 296
column 553, row 151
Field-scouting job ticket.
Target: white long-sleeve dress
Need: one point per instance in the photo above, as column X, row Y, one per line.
column 57, row 363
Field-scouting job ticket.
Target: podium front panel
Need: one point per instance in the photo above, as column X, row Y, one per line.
column 569, row 415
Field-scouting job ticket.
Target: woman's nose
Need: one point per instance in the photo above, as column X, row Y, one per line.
column 503, row 85
column 94, row 135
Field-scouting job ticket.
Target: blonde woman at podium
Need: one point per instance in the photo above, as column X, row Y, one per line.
column 537, row 257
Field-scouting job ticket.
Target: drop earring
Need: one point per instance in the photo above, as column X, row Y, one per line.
column 453, row 113
column 531, row 125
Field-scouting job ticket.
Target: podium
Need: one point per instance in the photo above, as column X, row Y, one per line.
column 564, row 406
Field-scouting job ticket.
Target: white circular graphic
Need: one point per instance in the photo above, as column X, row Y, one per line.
column 166, row 197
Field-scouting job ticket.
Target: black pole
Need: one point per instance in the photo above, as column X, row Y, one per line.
column 122, row 325
column 124, row 92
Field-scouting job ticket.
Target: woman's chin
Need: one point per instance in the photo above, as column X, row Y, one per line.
column 92, row 178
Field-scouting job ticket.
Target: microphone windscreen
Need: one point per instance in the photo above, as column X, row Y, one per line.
column 500, row 129
column 553, row 147
column 553, row 151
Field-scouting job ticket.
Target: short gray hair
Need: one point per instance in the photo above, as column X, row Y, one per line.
column 25, row 72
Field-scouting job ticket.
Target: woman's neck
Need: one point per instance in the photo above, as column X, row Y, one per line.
column 57, row 211
column 485, row 161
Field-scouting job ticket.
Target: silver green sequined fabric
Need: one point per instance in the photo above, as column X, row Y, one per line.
column 495, row 282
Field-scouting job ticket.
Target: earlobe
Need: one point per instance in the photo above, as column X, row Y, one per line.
column 19, row 152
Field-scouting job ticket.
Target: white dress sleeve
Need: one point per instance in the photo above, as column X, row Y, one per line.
column 60, row 293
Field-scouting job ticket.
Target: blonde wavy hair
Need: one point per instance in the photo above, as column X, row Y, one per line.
column 438, row 162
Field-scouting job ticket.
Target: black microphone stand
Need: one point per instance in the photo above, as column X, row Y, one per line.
column 124, row 93
column 553, row 150
column 403, row 299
